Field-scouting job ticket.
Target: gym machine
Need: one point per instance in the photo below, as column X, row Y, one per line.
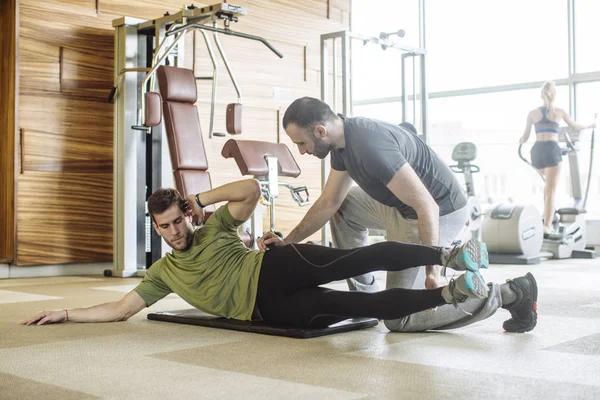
column 464, row 154
column 568, row 238
column 141, row 163
column 512, row 232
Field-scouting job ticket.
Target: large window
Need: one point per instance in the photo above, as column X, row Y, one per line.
column 588, row 104
column 494, row 122
column 473, row 43
column 482, row 44
column 376, row 72
column 587, row 32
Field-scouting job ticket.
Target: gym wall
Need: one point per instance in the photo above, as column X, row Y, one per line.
column 64, row 131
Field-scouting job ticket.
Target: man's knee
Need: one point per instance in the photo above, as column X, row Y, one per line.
column 399, row 325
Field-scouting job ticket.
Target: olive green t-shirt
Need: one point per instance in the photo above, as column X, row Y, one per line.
column 217, row 274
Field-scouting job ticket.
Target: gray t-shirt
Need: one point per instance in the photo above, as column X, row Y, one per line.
column 375, row 151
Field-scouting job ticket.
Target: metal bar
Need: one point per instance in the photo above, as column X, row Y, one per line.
column 572, row 67
column 324, row 67
column 346, row 100
column 414, row 90
column 227, row 66
column 226, row 32
column 21, row 146
column 213, row 99
column 578, row 78
column 404, row 95
column 424, row 100
column 61, row 51
column 335, row 86
column 324, row 163
column 374, row 40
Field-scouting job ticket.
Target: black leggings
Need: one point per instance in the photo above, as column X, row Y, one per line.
column 289, row 292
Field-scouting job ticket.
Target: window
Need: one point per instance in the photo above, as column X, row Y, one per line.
column 494, row 122
column 495, row 43
column 587, row 30
column 376, row 72
column 588, row 104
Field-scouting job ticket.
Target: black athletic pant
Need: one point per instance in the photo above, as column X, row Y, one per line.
column 289, row 292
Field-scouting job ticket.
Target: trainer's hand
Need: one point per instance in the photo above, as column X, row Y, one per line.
column 522, row 140
column 47, row 317
column 431, row 281
column 269, row 238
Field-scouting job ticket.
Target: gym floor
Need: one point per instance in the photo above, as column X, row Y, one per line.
column 560, row 359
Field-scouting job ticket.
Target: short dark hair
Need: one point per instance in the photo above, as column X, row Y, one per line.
column 162, row 199
column 307, row 112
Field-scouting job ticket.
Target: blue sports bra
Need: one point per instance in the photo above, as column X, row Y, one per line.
column 545, row 125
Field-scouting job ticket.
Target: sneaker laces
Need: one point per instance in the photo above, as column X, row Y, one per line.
column 453, row 253
column 457, row 296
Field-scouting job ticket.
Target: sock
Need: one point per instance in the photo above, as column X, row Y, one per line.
column 445, row 255
column 508, row 295
column 446, row 295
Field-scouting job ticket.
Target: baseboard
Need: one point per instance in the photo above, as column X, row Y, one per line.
column 11, row 271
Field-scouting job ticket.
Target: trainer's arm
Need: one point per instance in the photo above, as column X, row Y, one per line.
column 336, row 188
column 409, row 189
column 121, row 310
column 242, row 197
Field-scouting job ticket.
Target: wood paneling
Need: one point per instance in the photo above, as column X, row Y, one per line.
column 64, row 218
column 8, row 112
column 66, row 66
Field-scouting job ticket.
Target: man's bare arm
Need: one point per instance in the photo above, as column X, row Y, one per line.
column 409, row 189
column 242, row 196
column 337, row 187
column 121, row 310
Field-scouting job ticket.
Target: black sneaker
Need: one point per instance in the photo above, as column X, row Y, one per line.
column 524, row 309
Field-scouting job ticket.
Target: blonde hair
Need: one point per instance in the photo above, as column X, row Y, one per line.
column 549, row 95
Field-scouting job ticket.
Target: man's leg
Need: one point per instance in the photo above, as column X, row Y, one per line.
column 349, row 229
column 445, row 317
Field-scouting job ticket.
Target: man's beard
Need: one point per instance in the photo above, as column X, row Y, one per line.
column 322, row 148
column 182, row 244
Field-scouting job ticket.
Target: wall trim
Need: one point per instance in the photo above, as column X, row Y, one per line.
column 10, row 271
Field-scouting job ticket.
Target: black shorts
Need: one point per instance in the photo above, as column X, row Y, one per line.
column 545, row 154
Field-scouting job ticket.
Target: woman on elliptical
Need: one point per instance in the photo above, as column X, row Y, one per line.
column 546, row 154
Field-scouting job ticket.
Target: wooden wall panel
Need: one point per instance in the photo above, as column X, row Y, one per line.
column 65, row 190
column 8, row 112
column 64, row 217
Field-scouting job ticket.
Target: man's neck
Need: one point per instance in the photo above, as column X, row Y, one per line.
column 336, row 134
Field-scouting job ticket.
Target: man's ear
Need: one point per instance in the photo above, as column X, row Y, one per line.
column 156, row 228
column 320, row 131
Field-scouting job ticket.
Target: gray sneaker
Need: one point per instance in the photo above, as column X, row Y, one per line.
column 470, row 256
column 469, row 285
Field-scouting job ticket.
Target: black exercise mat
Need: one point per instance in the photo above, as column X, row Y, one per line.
column 197, row 317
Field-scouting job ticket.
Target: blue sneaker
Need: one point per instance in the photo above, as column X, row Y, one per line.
column 470, row 256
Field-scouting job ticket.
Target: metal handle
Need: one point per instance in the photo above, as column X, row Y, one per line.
column 21, row 136
column 226, row 32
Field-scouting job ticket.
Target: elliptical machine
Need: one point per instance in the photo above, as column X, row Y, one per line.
column 512, row 232
column 464, row 153
column 568, row 239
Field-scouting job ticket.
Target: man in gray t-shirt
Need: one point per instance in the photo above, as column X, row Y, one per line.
column 376, row 151
column 403, row 188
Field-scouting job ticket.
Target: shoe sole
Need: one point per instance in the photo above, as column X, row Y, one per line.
column 476, row 285
column 534, row 294
column 474, row 255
